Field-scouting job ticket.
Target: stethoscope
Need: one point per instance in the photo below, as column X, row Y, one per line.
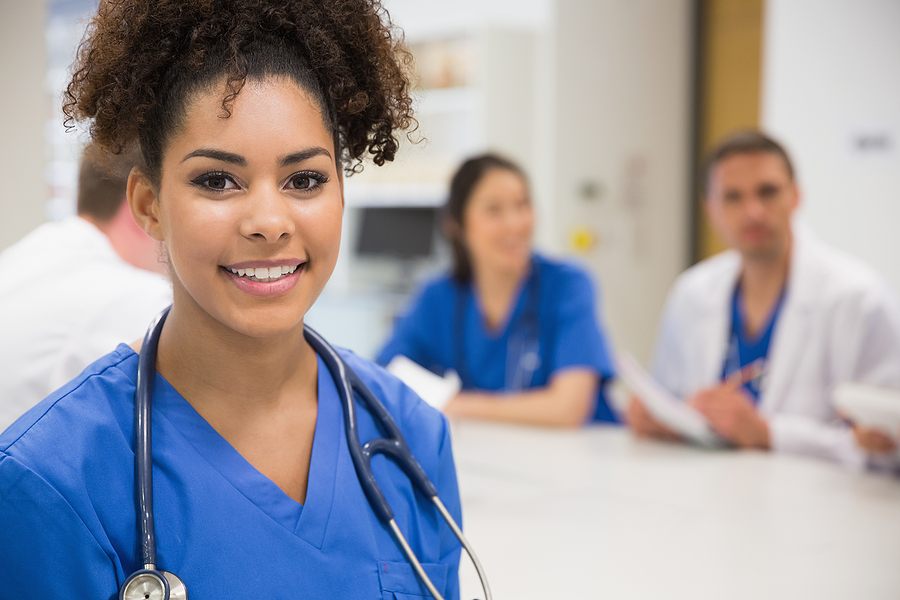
column 523, row 357
column 734, row 361
column 151, row 583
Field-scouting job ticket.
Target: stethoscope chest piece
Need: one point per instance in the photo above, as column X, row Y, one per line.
column 148, row 584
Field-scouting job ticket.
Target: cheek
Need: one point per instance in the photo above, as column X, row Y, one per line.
column 478, row 232
column 321, row 228
column 192, row 235
column 528, row 219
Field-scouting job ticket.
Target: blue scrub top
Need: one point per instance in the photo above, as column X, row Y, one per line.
column 569, row 334
column 67, row 509
column 744, row 349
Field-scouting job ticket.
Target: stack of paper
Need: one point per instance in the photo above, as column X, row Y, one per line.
column 433, row 389
column 666, row 408
column 870, row 406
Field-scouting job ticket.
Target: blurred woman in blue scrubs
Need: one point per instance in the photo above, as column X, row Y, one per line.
column 519, row 329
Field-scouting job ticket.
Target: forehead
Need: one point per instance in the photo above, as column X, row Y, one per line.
column 749, row 168
column 499, row 183
column 274, row 113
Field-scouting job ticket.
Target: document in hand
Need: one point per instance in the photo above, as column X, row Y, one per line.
column 433, row 389
column 666, row 408
column 870, row 406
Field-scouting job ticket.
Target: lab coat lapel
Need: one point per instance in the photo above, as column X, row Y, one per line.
column 713, row 324
column 792, row 328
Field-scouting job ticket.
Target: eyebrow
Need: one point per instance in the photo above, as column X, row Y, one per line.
column 229, row 157
column 303, row 155
column 237, row 159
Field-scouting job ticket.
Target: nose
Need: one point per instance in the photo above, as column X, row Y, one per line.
column 755, row 208
column 520, row 219
column 268, row 216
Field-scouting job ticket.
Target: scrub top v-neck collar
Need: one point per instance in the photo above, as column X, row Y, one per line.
column 517, row 306
column 308, row 521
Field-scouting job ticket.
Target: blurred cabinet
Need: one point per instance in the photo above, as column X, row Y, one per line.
column 473, row 92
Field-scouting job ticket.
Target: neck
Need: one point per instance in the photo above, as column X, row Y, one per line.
column 496, row 290
column 222, row 372
column 496, row 280
column 129, row 240
column 766, row 276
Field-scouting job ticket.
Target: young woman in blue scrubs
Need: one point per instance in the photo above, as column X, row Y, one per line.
column 520, row 329
column 246, row 113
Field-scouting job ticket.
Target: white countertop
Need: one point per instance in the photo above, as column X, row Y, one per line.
column 596, row 513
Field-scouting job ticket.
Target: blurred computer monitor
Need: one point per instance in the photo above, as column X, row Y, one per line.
column 399, row 232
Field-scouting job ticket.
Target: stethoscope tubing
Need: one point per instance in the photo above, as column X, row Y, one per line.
column 393, row 447
column 143, row 459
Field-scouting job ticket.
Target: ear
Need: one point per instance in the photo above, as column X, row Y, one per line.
column 797, row 197
column 453, row 230
column 144, row 203
column 708, row 209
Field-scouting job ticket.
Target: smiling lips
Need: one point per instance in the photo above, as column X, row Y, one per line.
column 266, row 281
column 265, row 274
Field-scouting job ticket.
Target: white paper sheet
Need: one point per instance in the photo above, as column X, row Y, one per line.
column 433, row 389
column 870, row 406
column 666, row 408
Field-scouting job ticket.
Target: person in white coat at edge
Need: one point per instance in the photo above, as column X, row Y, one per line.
column 81, row 286
column 757, row 337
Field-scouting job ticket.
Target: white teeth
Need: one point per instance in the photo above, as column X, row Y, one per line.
column 264, row 273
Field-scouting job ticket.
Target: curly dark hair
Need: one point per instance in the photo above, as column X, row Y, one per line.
column 141, row 61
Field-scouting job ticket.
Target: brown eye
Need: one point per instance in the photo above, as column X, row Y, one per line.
column 303, row 182
column 768, row 191
column 215, row 181
column 307, row 181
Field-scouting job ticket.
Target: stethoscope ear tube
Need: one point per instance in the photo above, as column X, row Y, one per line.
column 143, row 454
column 396, row 449
column 394, row 446
column 338, row 371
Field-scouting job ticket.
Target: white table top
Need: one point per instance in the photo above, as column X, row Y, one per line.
column 596, row 513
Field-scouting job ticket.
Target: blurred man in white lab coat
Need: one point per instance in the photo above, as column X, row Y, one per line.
column 756, row 338
column 72, row 290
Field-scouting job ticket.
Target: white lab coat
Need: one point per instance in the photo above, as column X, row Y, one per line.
column 66, row 299
column 839, row 322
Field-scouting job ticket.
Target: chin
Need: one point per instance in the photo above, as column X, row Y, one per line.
column 269, row 325
column 767, row 251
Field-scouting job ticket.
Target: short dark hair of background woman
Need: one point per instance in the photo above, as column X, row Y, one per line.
column 463, row 183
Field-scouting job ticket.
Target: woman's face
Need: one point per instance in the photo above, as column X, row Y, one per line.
column 498, row 222
column 249, row 208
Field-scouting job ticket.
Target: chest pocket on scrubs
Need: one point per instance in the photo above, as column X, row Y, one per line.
column 399, row 581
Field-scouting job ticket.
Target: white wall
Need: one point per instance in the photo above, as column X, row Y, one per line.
column 831, row 92
column 621, row 95
column 433, row 18
column 24, row 109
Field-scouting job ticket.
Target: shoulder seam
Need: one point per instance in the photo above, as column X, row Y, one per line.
column 83, row 381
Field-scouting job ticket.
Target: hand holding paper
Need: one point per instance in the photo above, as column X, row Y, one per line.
column 870, row 407
column 664, row 407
